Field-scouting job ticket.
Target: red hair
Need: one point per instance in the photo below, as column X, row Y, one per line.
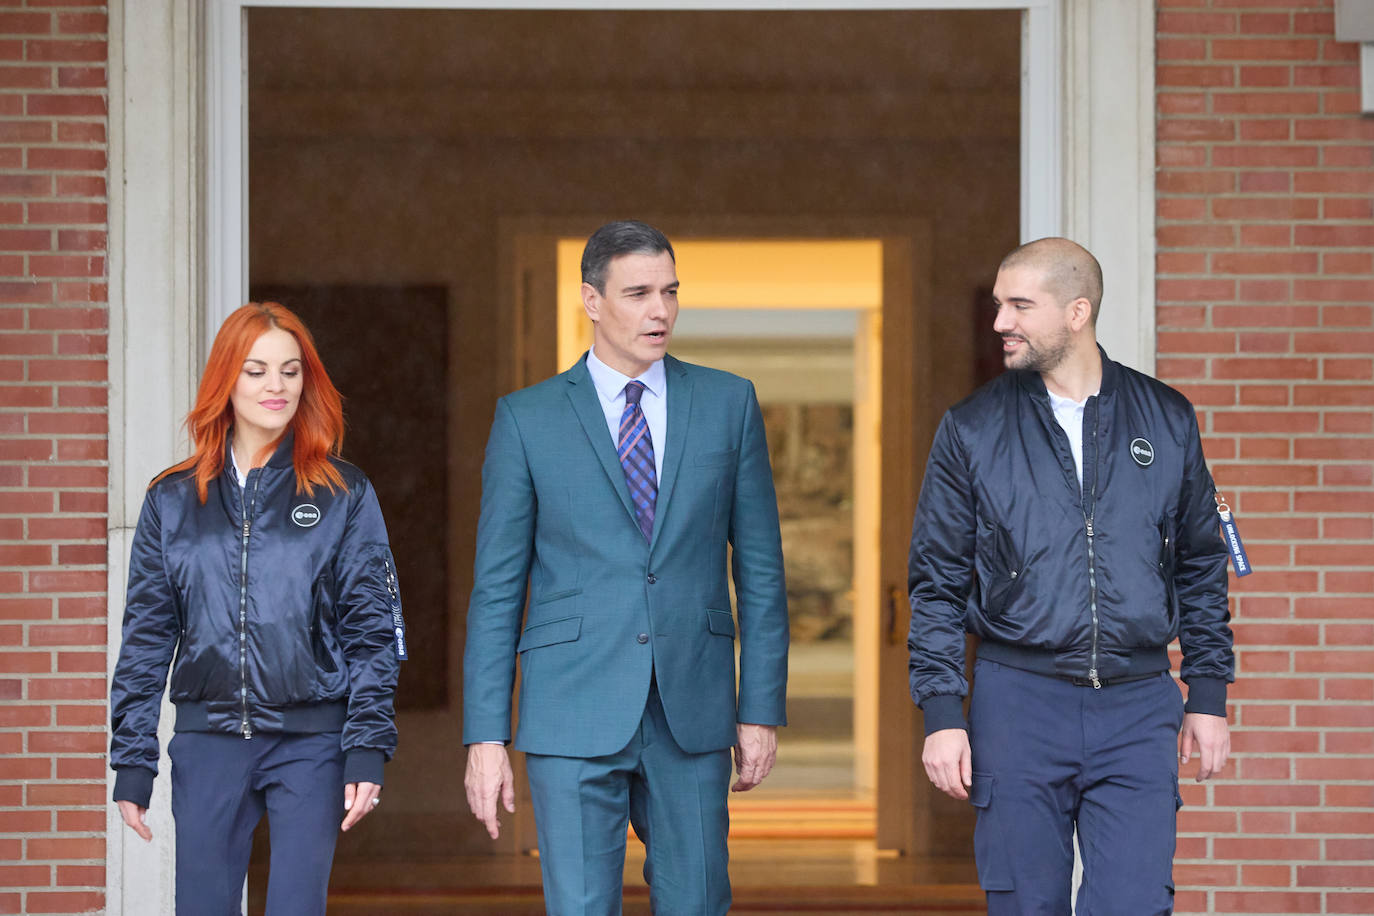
column 318, row 423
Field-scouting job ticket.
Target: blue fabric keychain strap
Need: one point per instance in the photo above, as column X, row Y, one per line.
column 1231, row 535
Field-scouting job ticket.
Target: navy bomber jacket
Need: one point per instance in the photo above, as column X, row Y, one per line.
column 277, row 612
column 1089, row 581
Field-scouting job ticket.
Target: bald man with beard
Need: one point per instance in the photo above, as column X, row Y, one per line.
column 1067, row 519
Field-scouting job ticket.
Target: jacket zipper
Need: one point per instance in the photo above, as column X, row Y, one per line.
column 1089, row 511
column 245, row 725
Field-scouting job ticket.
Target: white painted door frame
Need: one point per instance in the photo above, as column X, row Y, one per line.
column 178, row 245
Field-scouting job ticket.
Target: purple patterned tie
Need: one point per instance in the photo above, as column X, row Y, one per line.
column 636, row 451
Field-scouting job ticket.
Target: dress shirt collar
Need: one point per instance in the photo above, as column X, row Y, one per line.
column 240, row 474
column 610, row 383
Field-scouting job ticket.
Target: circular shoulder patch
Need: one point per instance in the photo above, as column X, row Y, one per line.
column 305, row 515
column 1142, row 452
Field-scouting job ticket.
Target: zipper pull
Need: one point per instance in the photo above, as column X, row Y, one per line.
column 1092, row 676
column 247, row 730
column 1090, row 527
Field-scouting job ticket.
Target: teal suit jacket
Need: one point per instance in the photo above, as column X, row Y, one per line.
column 606, row 610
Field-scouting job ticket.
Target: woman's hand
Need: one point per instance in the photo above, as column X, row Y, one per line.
column 359, row 800
column 134, row 816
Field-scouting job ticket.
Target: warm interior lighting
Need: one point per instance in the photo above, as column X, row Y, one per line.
column 731, row 274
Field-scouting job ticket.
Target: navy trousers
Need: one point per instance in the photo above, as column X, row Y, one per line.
column 1049, row 756
column 222, row 785
column 676, row 802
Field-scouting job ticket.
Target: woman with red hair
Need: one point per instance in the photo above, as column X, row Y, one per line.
column 261, row 575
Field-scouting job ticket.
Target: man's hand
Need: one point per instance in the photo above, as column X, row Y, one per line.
column 489, row 777
column 949, row 762
column 756, row 750
column 1210, row 737
column 359, row 800
column 134, row 816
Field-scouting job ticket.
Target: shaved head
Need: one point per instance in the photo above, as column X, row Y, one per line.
column 1069, row 270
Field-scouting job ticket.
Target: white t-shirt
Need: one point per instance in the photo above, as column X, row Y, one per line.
column 1069, row 413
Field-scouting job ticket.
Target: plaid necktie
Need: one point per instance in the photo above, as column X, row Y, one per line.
column 636, row 451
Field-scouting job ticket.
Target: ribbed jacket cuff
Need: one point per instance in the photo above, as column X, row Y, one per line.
column 944, row 711
column 1206, row 695
column 364, row 764
column 134, row 784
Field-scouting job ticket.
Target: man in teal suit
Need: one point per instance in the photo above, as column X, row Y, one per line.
column 609, row 494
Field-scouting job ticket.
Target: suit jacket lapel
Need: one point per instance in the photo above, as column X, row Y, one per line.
column 679, row 411
column 587, row 405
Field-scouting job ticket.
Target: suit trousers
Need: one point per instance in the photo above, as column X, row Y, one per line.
column 676, row 802
column 222, row 785
column 1049, row 756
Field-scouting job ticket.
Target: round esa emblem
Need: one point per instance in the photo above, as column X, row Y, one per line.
column 305, row 515
column 1142, row 452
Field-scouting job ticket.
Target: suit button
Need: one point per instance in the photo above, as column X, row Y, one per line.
column 652, row 578
column 642, row 638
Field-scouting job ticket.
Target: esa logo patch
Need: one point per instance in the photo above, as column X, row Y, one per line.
column 306, row 515
column 1142, row 452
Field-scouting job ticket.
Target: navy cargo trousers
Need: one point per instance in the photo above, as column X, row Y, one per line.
column 1050, row 755
column 221, row 787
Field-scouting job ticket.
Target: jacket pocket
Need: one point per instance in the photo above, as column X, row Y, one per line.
column 989, row 837
column 999, row 567
column 709, row 459
column 1168, row 536
column 555, row 596
column 720, row 623
column 565, row 629
column 393, row 604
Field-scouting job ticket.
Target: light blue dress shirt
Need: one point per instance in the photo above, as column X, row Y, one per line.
column 610, row 388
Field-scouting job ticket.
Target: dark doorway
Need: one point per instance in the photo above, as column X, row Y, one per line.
column 389, row 148
column 396, row 406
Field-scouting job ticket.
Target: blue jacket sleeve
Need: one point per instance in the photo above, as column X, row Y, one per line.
column 760, row 585
column 940, row 576
column 371, row 631
column 505, row 547
column 150, row 632
column 1200, row 584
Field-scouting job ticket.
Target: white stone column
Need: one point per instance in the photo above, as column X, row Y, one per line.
column 154, row 253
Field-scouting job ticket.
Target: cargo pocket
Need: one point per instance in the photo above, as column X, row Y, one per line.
column 989, row 839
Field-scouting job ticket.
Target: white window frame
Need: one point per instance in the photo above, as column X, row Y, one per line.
column 178, row 243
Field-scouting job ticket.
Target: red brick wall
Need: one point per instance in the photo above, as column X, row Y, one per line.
column 53, row 479
column 1266, row 259
column 1265, row 285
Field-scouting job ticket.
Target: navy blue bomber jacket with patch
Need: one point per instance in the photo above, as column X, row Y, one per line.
column 1089, row 581
column 277, row 611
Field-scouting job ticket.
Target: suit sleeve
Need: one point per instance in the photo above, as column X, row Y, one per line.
column 1200, row 584
column 371, row 633
column 940, row 577
column 760, row 585
column 505, row 546
column 150, row 632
